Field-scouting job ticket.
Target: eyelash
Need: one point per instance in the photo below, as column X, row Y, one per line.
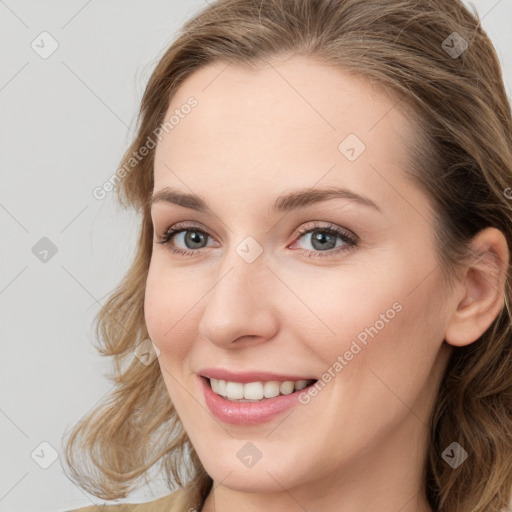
column 330, row 229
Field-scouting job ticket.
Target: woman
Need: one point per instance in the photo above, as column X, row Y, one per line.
column 318, row 314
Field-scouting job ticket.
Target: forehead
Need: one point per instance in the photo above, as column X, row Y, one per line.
column 284, row 122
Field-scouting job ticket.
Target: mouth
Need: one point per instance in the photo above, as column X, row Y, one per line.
column 246, row 400
column 257, row 391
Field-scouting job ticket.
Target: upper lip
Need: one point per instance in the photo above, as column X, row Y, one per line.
column 249, row 376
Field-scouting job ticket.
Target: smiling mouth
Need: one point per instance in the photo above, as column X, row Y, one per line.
column 256, row 391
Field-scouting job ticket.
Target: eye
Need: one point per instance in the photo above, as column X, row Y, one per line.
column 324, row 240
column 186, row 234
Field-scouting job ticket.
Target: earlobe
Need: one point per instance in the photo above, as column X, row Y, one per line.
column 483, row 295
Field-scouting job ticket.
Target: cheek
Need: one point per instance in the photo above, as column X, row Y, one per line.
column 169, row 317
column 345, row 305
column 169, row 308
column 372, row 320
column 389, row 359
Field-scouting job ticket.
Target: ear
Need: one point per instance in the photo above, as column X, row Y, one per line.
column 483, row 289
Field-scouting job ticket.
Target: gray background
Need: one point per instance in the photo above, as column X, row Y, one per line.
column 66, row 121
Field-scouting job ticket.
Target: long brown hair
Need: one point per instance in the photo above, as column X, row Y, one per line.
column 461, row 156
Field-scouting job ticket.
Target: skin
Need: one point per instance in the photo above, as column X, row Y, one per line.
column 360, row 444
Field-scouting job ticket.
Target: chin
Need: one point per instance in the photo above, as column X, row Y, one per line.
column 264, row 475
column 249, row 480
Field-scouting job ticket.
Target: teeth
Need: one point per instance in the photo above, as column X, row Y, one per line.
column 271, row 389
column 253, row 390
column 301, row 384
column 234, row 390
column 256, row 391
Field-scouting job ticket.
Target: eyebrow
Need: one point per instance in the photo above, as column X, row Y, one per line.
column 287, row 202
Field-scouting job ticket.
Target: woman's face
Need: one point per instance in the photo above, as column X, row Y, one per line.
column 268, row 291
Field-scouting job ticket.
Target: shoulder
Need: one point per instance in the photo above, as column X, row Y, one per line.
column 177, row 501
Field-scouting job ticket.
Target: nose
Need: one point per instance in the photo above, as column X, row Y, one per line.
column 241, row 307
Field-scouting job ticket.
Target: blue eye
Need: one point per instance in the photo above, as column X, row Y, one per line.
column 324, row 239
column 193, row 236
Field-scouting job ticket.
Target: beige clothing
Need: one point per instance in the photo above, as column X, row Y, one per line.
column 177, row 501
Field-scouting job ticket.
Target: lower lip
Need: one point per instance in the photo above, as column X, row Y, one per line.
column 247, row 413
